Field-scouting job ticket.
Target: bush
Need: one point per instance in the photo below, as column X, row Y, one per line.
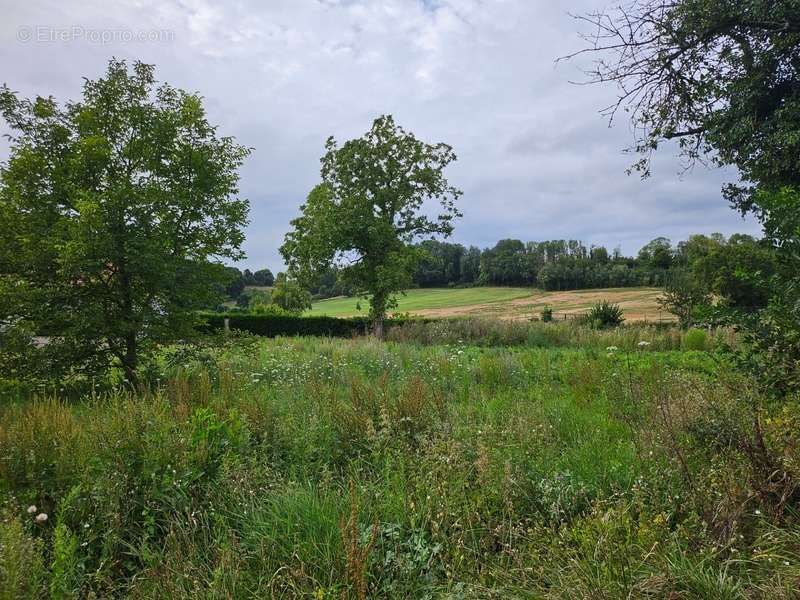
column 274, row 323
column 605, row 314
column 547, row 314
column 695, row 339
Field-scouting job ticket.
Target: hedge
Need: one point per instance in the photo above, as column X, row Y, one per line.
column 274, row 325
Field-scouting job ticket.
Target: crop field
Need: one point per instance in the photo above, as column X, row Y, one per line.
column 638, row 304
column 318, row 468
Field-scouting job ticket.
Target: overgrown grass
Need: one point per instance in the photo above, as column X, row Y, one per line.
column 496, row 332
column 352, row 468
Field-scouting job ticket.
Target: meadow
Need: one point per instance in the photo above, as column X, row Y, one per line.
column 585, row 464
column 638, row 303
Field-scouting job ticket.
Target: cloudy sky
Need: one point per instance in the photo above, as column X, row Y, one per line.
column 536, row 160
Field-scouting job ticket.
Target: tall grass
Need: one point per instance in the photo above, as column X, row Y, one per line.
column 352, row 468
column 497, row 332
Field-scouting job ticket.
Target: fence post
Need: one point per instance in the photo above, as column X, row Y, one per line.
column 227, row 325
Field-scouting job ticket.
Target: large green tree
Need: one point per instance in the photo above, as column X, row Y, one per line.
column 367, row 211
column 115, row 214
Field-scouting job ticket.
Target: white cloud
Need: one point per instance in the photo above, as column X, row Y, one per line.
column 536, row 160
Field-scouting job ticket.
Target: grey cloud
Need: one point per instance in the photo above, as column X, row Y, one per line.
column 536, row 160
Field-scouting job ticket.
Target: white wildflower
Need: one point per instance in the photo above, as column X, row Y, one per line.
column 32, row 509
column 643, row 344
column 612, row 348
column 41, row 517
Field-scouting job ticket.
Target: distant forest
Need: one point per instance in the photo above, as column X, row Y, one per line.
column 571, row 264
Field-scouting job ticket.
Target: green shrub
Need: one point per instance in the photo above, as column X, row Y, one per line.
column 605, row 314
column 547, row 314
column 274, row 323
column 695, row 339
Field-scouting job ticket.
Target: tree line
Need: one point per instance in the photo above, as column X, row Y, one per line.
column 551, row 265
column 556, row 265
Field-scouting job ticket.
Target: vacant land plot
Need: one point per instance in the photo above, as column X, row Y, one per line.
column 639, row 304
column 323, row 468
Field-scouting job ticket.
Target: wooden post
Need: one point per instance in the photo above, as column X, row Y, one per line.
column 227, row 325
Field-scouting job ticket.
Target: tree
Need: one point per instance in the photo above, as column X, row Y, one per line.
column 683, row 295
column 263, row 277
column 247, row 277
column 236, row 282
column 657, row 253
column 470, row 265
column 738, row 271
column 366, row 213
column 116, row 212
column 290, row 295
column 723, row 78
column 720, row 77
column 506, row 264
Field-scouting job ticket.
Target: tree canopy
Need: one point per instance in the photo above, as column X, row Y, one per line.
column 367, row 211
column 721, row 77
column 115, row 214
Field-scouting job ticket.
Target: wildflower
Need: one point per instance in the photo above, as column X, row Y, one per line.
column 41, row 517
column 643, row 344
column 612, row 348
column 32, row 509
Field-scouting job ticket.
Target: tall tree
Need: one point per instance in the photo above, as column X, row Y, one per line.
column 290, row 295
column 367, row 212
column 112, row 209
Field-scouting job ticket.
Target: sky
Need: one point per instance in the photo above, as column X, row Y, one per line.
column 536, row 159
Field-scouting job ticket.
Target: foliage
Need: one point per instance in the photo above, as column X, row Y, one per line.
column 683, row 296
column 657, row 253
column 774, row 332
column 262, row 277
column 271, row 322
column 290, row 295
column 722, row 78
column 254, row 300
column 696, row 71
column 547, row 314
column 737, row 271
column 695, row 339
column 366, row 211
column 535, row 334
column 605, row 314
column 111, row 209
column 347, row 468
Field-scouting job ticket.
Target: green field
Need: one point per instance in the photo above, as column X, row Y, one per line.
column 637, row 303
column 423, row 299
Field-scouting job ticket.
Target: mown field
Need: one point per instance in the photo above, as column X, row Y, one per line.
column 609, row 467
column 638, row 304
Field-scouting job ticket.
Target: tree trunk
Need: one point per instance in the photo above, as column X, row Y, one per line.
column 377, row 327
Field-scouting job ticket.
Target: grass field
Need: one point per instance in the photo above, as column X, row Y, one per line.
column 639, row 304
column 331, row 469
